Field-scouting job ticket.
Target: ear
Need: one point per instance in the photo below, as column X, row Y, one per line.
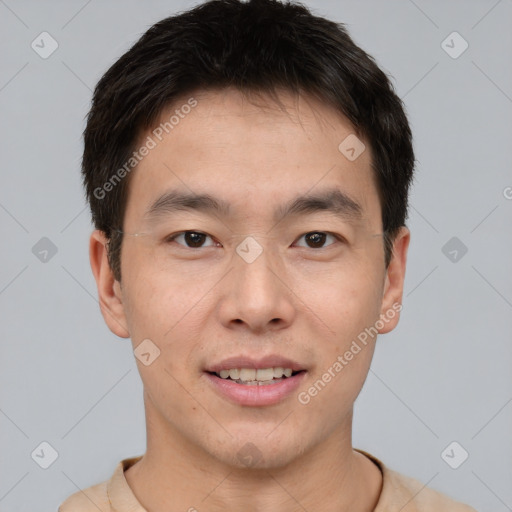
column 394, row 282
column 109, row 290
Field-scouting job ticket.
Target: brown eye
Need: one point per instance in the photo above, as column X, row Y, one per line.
column 316, row 239
column 191, row 239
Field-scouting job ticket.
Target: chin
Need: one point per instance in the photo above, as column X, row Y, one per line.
column 255, row 452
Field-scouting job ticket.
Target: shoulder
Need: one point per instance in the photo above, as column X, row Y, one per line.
column 405, row 494
column 92, row 499
column 413, row 496
column 113, row 494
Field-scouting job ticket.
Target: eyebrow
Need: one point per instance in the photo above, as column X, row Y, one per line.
column 330, row 200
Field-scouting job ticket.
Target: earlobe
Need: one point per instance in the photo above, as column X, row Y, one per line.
column 109, row 290
column 394, row 282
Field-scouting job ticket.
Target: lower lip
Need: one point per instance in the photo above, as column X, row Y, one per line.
column 257, row 395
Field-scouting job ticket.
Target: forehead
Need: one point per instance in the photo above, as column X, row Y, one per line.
column 251, row 152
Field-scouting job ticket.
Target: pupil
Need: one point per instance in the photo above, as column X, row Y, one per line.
column 316, row 238
column 194, row 239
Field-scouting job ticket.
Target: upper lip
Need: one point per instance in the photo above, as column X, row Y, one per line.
column 245, row 361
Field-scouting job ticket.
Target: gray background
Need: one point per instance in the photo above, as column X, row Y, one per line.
column 443, row 375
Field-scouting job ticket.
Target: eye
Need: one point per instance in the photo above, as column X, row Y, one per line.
column 192, row 239
column 316, row 239
column 196, row 239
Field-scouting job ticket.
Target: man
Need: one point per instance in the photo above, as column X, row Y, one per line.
column 247, row 168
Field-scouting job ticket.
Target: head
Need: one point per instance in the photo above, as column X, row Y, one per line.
column 254, row 105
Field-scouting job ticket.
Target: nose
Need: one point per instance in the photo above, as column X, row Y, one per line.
column 256, row 294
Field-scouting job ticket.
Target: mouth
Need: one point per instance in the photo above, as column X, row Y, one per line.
column 256, row 377
column 255, row 383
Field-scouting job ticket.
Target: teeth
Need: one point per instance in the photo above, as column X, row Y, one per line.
column 247, row 374
column 234, row 374
column 253, row 375
column 278, row 372
column 265, row 374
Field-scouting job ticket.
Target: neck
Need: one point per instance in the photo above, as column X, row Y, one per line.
column 177, row 475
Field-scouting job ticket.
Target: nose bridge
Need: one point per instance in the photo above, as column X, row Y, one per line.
column 257, row 294
column 256, row 262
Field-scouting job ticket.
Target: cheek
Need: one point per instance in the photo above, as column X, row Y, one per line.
column 156, row 299
column 170, row 311
column 345, row 297
column 349, row 303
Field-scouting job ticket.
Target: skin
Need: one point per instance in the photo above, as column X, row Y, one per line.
column 303, row 302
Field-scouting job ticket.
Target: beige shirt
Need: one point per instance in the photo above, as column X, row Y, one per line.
column 399, row 494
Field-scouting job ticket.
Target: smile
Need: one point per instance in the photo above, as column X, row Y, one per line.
column 256, row 377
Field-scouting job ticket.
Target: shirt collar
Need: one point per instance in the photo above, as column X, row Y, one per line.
column 122, row 499
column 119, row 493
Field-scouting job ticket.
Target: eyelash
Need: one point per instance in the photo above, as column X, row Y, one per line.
column 171, row 238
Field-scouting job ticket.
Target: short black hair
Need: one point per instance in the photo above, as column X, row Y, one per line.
column 256, row 46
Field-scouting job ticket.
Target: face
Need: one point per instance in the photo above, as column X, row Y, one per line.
column 282, row 266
